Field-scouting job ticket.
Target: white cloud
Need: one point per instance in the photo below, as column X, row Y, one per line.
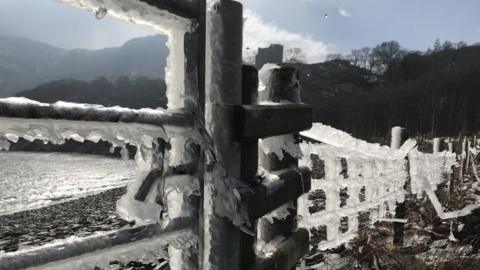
column 344, row 13
column 258, row 33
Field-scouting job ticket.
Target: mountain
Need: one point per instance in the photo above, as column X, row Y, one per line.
column 25, row 64
column 135, row 93
column 324, row 82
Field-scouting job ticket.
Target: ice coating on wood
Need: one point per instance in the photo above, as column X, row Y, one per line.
column 381, row 178
column 335, row 137
column 176, row 181
column 143, row 136
column 396, row 139
column 429, row 170
column 137, row 12
column 380, row 171
column 145, row 251
column 160, row 21
column 279, row 144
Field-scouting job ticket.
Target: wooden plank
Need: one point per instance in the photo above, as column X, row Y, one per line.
column 249, row 161
column 269, row 196
column 182, row 8
column 285, row 254
column 261, row 121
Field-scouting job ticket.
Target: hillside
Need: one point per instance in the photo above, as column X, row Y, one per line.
column 324, row 82
column 434, row 94
column 136, row 93
column 25, row 64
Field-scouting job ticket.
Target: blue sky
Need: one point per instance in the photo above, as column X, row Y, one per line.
column 302, row 23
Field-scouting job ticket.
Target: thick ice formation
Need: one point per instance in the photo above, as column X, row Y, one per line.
column 150, row 156
column 160, row 21
column 382, row 180
column 376, row 171
column 429, row 170
column 137, row 12
column 279, row 144
column 335, row 137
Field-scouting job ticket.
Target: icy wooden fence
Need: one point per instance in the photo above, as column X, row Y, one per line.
column 197, row 191
column 355, row 183
column 349, row 181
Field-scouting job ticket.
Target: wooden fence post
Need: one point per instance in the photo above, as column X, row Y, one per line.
column 223, row 72
column 399, row 136
column 462, row 156
column 436, row 145
column 467, row 165
column 281, row 85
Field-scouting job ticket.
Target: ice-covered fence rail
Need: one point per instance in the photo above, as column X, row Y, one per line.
column 55, row 123
column 142, row 242
column 149, row 130
column 29, row 109
column 334, row 137
column 371, row 183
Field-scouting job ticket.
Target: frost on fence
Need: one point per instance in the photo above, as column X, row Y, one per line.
column 338, row 138
column 160, row 21
column 346, row 183
column 352, row 177
column 429, row 170
column 173, row 154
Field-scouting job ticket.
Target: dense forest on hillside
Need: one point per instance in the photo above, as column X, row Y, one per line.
column 132, row 93
column 436, row 93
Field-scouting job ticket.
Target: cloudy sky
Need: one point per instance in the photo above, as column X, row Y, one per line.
column 317, row 26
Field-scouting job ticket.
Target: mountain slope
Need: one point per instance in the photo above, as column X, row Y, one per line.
column 136, row 93
column 25, row 64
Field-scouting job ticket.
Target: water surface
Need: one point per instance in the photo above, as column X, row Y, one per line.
column 31, row 180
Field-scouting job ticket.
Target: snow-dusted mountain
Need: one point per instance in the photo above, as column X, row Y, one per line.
column 25, row 64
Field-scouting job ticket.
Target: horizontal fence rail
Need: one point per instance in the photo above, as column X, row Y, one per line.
column 178, row 230
column 29, row 109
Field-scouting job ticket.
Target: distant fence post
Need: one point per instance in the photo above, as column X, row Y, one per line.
column 399, row 136
column 463, row 153
column 467, row 165
column 450, row 146
column 436, row 145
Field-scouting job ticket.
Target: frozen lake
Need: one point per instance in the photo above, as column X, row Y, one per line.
column 32, row 180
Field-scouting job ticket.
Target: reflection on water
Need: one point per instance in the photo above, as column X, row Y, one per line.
column 31, row 180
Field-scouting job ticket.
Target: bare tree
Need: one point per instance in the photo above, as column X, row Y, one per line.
column 294, row 55
column 387, row 53
column 359, row 57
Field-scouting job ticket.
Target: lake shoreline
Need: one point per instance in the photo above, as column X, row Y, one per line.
column 80, row 217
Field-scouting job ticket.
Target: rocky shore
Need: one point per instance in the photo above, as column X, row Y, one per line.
column 81, row 217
